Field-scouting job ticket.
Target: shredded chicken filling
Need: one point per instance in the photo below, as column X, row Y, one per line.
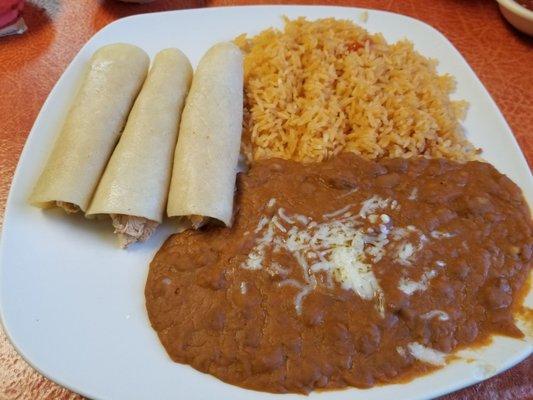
column 69, row 208
column 131, row 229
column 197, row 221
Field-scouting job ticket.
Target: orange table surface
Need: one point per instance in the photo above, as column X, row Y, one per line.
column 31, row 63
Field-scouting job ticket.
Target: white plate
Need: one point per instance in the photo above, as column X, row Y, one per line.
column 73, row 304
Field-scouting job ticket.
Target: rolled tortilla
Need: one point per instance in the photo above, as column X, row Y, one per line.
column 134, row 186
column 205, row 161
column 91, row 129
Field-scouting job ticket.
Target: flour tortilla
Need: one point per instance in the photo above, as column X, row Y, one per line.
column 205, row 161
column 92, row 126
column 136, row 180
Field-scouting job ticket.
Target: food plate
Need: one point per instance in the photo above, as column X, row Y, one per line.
column 72, row 304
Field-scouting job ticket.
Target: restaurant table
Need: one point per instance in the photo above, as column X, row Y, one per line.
column 31, row 63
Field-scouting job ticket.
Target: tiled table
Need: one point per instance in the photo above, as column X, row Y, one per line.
column 30, row 65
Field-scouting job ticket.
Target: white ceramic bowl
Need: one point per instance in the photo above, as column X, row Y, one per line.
column 518, row 16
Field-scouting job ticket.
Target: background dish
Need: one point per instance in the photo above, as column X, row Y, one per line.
column 520, row 17
column 105, row 318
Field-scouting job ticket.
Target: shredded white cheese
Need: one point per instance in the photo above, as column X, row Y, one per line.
column 278, row 225
column 350, row 192
column 426, row 354
column 405, row 252
column 278, row 269
column 284, row 217
column 401, row 351
column 350, row 269
column 399, row 233
column 304, row 292
column 301, row 219
column 262, row 223
column 254, row 260
column 384, row 218
column 409, row 286
column 371, row 205
column 441, row 315
column 341, row 247
column 441, row 235
column 337, row 212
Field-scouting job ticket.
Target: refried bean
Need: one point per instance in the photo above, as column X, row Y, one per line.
column 344, row 273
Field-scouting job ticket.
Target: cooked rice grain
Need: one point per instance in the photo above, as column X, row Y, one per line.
column 318, row 88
